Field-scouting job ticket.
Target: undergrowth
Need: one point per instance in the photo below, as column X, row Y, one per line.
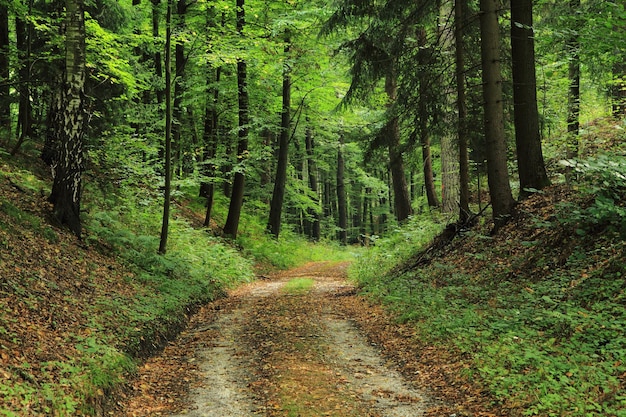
column 539, row 309
column 82, row 314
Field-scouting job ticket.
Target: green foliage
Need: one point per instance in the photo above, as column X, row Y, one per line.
column 604, row 180
column 550, row 341
column 400, row 244
column 290, row 250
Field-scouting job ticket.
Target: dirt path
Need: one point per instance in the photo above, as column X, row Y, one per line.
column 291, row 345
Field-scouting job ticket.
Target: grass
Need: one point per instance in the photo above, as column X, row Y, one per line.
column 298, row 285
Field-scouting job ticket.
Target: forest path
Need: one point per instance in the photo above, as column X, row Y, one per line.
column 288, row 345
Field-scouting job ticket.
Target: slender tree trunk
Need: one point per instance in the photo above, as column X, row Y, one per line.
column 424, row 96
column 280, row 180
column 266, row 162
column 497, row 171
column 210, row 137
column 23, row 30
column 67, row 163
column 168, row 130
column 5, row 99
column 462, row 133
column 158, row 65
column 341, row 196
column 573, row 98
column 177, row 110
column 530, row 164
column 396, row 163
column 236, row 200
column 366, row 215
column 312, row 167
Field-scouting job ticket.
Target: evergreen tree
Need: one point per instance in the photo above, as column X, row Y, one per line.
column 498, row 176
column 531, row 167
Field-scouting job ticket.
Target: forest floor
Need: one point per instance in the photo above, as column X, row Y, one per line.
column 300, row 343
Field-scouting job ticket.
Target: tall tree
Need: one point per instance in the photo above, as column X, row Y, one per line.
column 462, row 133
column 68, row 165
column 280, row 179
column 158, row 64
column 530, row 163
column 342, row 205
column 573, row 97
column 179, row 85
column 23, row 30
column 401, row 198
column 450, row 181
column 210, row 137
column 168, row 130
column 313, row 183
column 424, row 57
column 5, row 103
column 236, row 200
column 497, row 172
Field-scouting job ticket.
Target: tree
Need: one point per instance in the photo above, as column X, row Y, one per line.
column 462, row 133
column 424, row 56
column 450, row 181
column 69, row 129
column 23, row 29
column 531, row 167
column 497, row 172
column 312, row 171
column 179, row 81
column 342, row 205
column 5, row 69
column 236, row 200
column 280, row 179
column 573, row 97
column 168, row 130
column 401, row 196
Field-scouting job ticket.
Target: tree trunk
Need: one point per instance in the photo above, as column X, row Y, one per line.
column 67, row 164
column 280, row 180
column 462, row 133
column 236, row 200
column 342, row 207
column 312, row 168
column 450, row 182
column 207, row 188
column 177, row 110
column 168, row 130
column 158, row 66
column 23, row 30
column 424, row 97
column 5, row 99
column 497, row 172
column 530, row 164
column 573, row 97
column 396, row 163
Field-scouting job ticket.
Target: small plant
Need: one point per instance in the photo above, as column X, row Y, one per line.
column 603, row 179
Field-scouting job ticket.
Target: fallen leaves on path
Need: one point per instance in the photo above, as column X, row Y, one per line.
column 291, row 367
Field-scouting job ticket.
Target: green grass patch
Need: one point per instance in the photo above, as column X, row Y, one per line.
column 298, row 285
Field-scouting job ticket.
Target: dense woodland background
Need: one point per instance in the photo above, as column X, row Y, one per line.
column 335, row 121
column 195, row 144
